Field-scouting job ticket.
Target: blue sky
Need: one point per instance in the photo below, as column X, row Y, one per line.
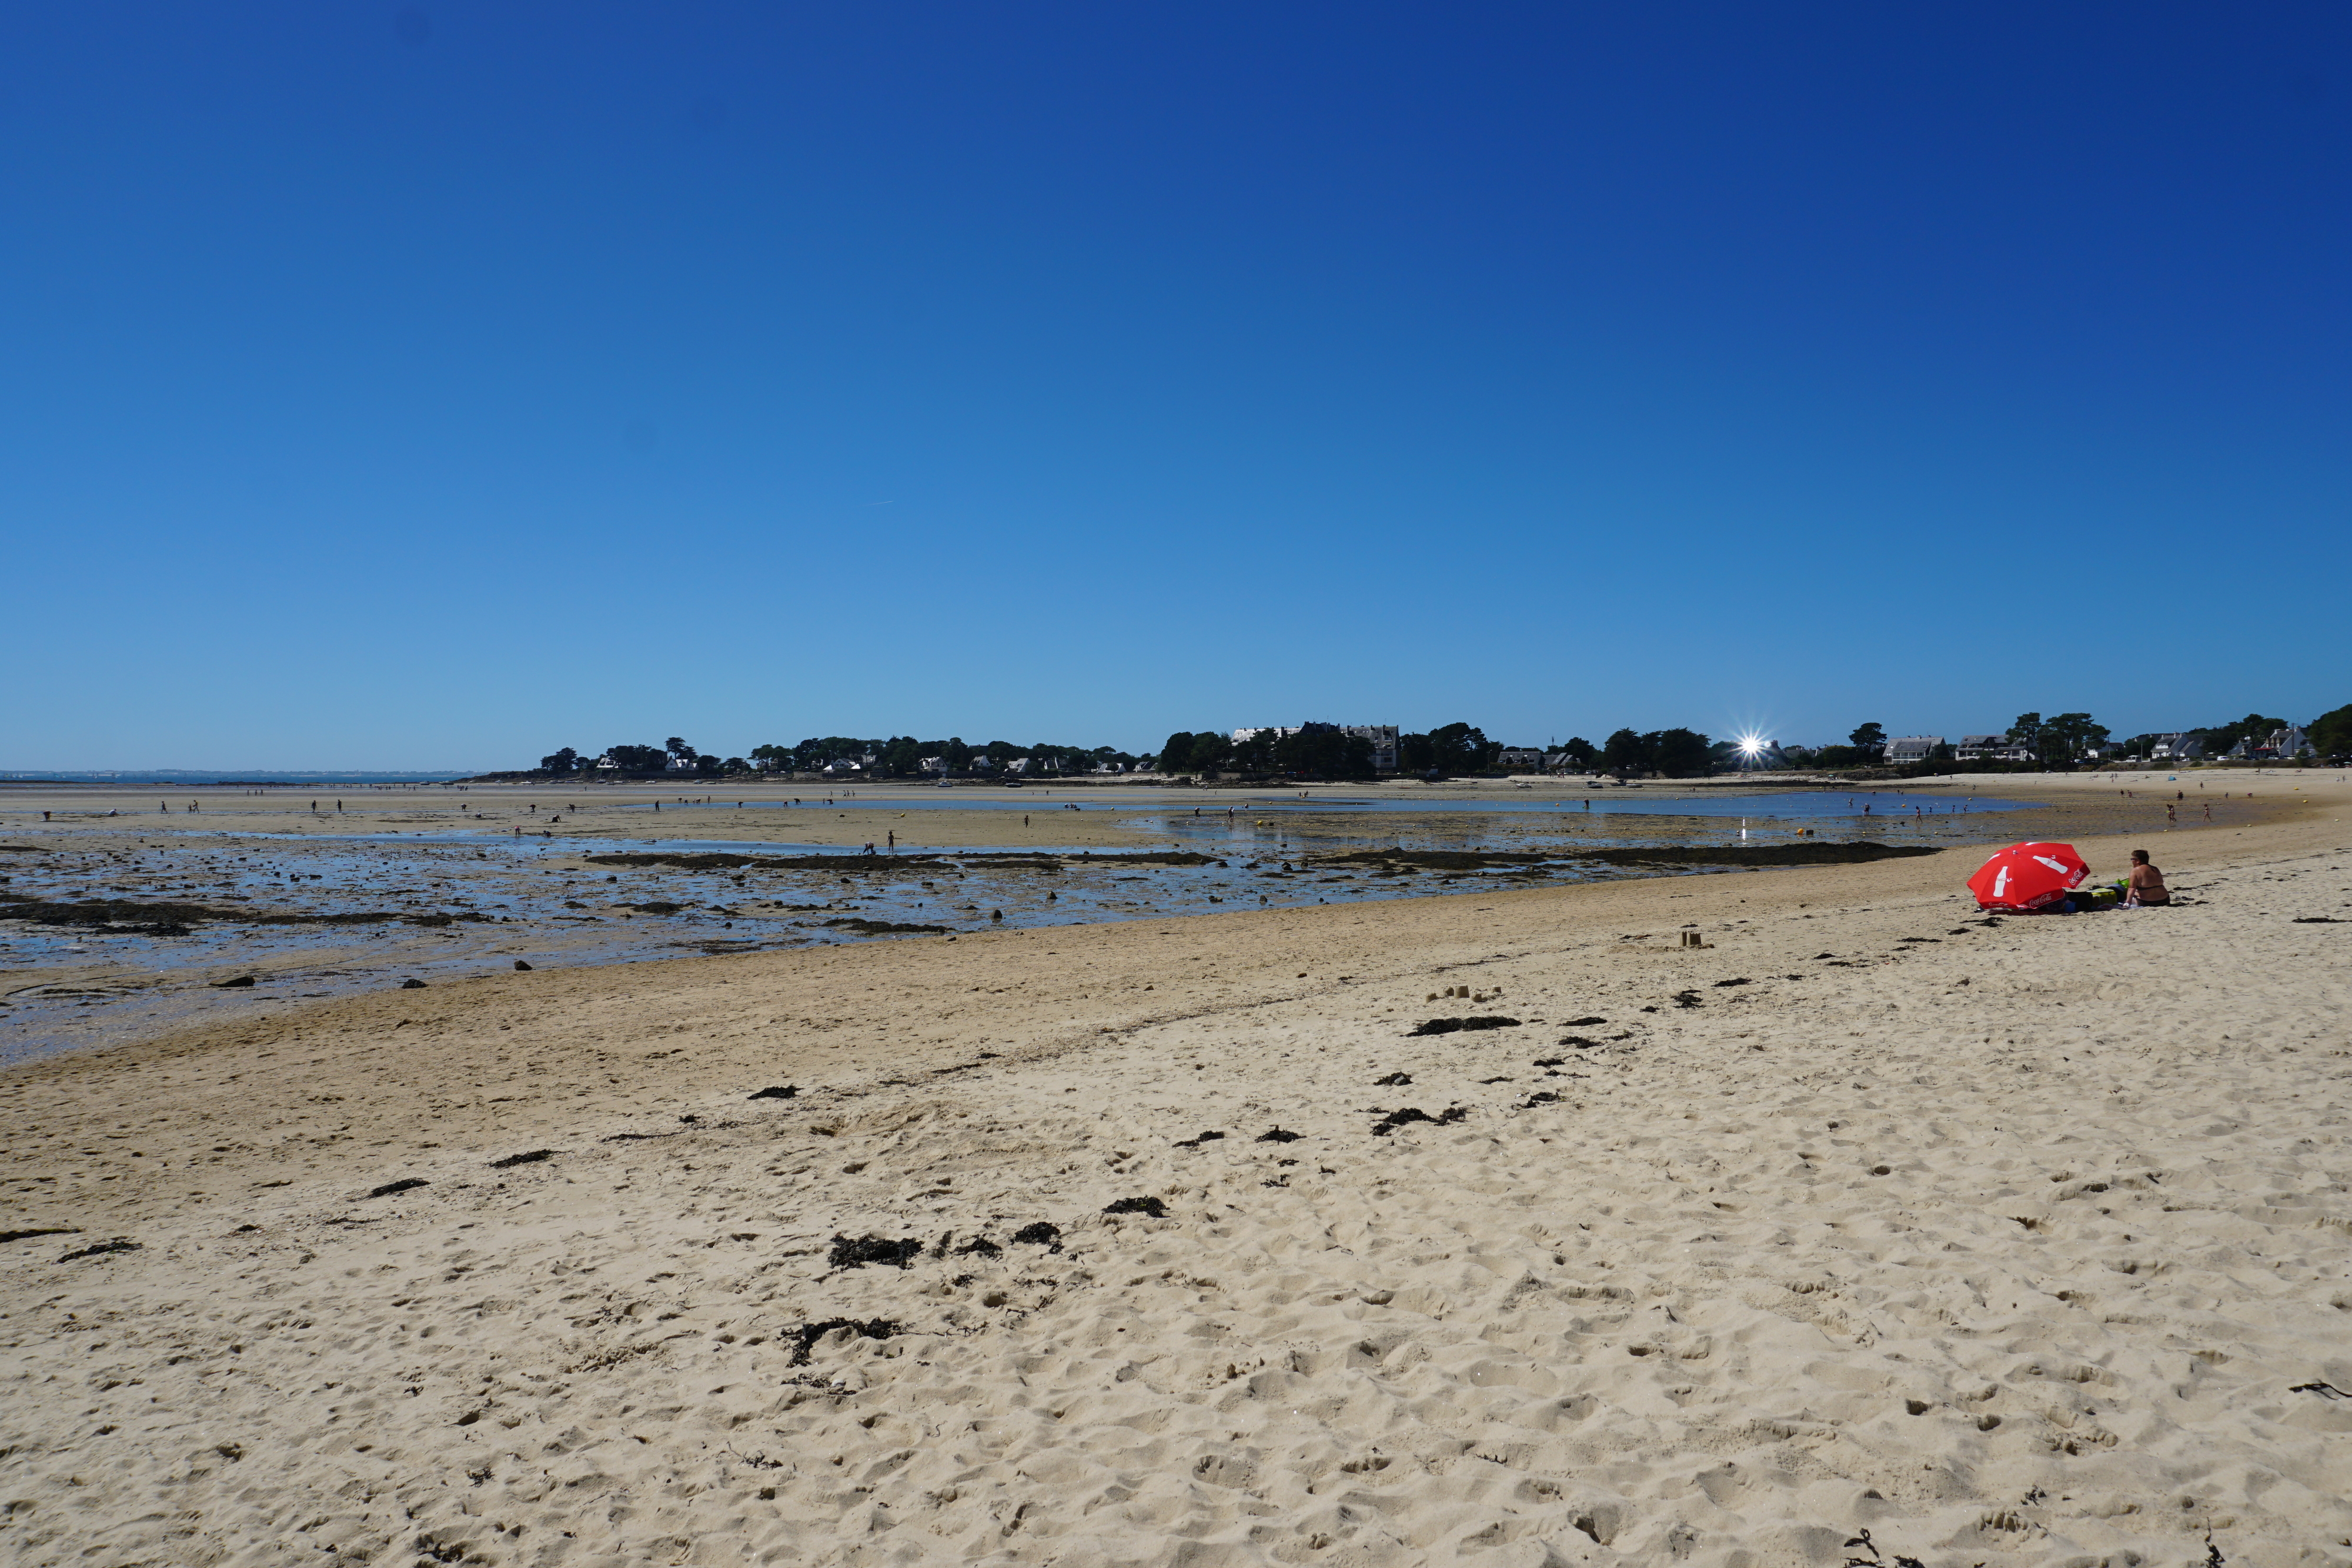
column 433, row 386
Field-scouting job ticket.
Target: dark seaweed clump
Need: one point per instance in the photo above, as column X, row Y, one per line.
column 1393, row 1080
column 887, row 927
column 1395, row 1119
column 776, row 1091
column 855, row 1252
column 101, row 1251
column 1150, row 1205
column 7, row 1236
column 1276, row 1135
column 408, row 1184
column 1194, row 1143
column 531, row 1157
column 804, row 1338
column 1582, row 1022
column 1041, row 1233
column 1543, row 1097
column 980, row 1245
column 1456, row 1026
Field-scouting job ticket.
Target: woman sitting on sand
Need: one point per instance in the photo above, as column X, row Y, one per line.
column 2146, row 884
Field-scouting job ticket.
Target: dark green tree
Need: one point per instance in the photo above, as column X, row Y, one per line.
column 1461, row 748
column 2331, row 733
column 1871, row 738
column 638, row 758
column 1415, row 754
column 564, row 761
column 1323, row 754
column 1209, row 752
column 1625, row 753
column 1679, row 753
column 1579, row 751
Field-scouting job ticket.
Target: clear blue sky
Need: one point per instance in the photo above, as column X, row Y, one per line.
column 433, row 387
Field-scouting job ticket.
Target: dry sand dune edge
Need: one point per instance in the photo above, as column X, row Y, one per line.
column 2015, row 1243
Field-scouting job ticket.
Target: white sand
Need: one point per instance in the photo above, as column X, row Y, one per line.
column 2009, row 1245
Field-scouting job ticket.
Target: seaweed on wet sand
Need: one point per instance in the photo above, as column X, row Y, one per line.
column 776, row 1091
column 8, row 1236
column 1149, row 1206
column 1456, row 1026
column 1040, row 1233
column 1392, row 1080
column 803, row 1337
column 855, row 1252
column 529, row 1157
column 1686, row 999
column 1411, row 1113
column 407, row 1184
column 1196, row 1141
column 101, row 1250
column 1276, row 1135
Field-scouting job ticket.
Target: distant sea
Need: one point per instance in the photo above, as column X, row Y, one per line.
column 243, row 776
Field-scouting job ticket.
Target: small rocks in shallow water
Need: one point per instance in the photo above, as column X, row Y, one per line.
column 409, row 1184
column 1392, row 1080
column 1040, row 1233
column 101, row 1251
column 1150, row 1205
column 777, row 1092
column 1194, row 1143
column 1276, row 1135
column 240, row 983
column 530, row 1158
column 804, row 1338
column 855, row 1252
column 412, row 985
column 522, row 965
column 1455, row 1026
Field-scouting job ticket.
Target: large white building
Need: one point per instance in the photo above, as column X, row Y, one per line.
column 1912, row 748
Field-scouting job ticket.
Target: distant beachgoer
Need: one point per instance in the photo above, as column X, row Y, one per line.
column 2171, row 812
column 45, row 815
column 2208, row 810
column 893, row 838
column 2147, row 882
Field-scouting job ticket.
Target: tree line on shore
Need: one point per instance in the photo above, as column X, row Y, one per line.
column 1325, row 751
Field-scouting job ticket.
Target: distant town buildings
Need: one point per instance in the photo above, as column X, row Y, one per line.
column 1913, row 747
column 1515, row 757
column 1990, row 749
column 2179, row 747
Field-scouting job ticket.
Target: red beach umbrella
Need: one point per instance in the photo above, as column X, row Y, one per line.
column 2027, row 876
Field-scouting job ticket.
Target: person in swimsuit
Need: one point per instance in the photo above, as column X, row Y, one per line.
column 2146, row 885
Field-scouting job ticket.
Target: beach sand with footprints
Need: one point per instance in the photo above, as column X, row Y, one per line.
column 1506, row 1228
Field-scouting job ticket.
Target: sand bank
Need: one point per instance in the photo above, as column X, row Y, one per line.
column 2021, row 1242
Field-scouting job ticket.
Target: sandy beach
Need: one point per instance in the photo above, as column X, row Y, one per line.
column 1869, row 1228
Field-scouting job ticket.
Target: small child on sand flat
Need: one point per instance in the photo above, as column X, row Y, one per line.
column 2146, row 885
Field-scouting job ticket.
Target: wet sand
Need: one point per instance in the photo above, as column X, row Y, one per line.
column 2014, row 1242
